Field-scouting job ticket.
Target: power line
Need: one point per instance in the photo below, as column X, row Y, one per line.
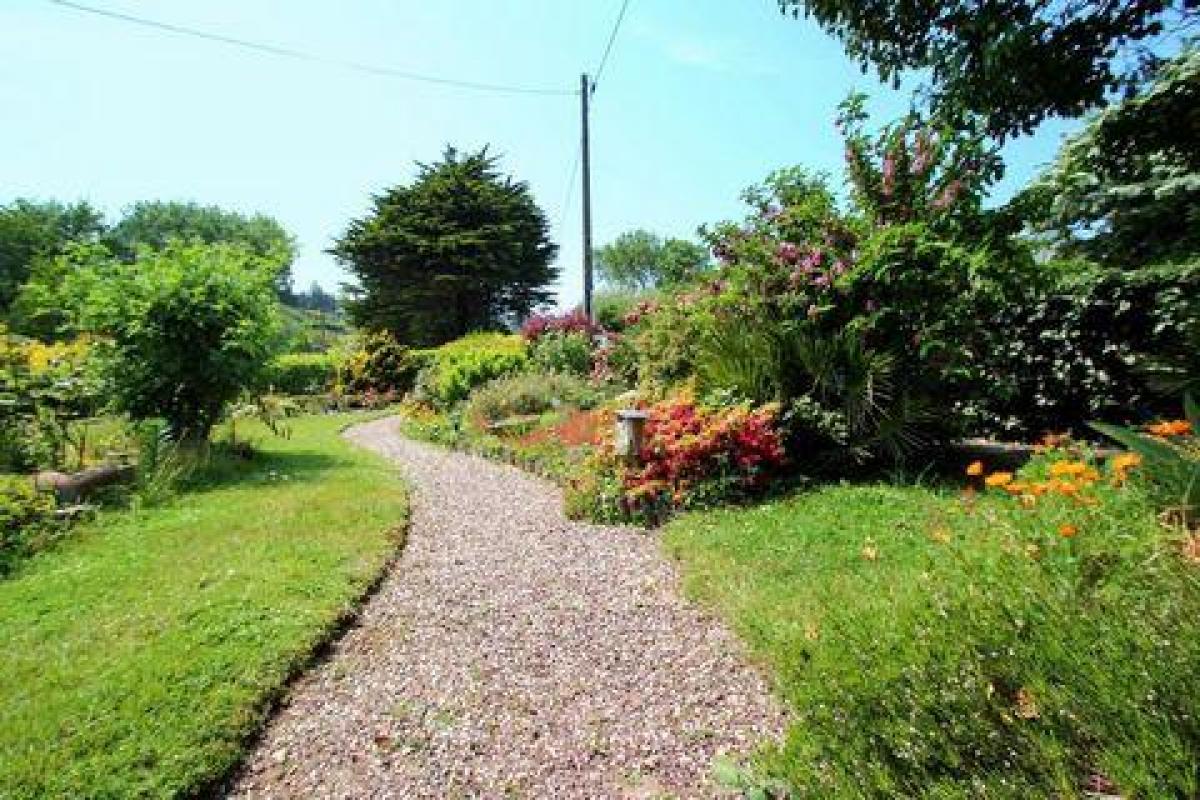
column 612, row 38
column 300, row 55
column 569, row 194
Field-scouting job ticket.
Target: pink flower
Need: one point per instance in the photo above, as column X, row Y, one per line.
column 788, row 253
column 949, row 194
column 922, row 155
column 889, row 174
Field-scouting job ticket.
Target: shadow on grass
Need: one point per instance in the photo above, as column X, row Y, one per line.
column 224, row 468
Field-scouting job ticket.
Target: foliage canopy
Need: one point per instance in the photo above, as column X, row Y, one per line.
column 187, row 329
column 31, row 230
column 461, row 248
column 639, row 259
column 1012, row 63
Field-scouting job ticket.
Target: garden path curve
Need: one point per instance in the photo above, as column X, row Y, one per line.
column 511, row 652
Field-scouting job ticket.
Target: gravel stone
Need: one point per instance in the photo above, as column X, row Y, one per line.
column 511, row 652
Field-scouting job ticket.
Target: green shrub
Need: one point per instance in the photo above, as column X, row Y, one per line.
column 185, row 329
column 26, row 517
column 568, row 353
column 301, row 373
column 378, row 363
column 612, row 307
column 457, row 367
column 528, row 393
column 1089, row 346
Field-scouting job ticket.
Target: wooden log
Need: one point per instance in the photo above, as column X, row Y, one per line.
column 70, row 489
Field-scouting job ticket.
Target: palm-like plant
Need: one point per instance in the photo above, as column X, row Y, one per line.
column 855, row 387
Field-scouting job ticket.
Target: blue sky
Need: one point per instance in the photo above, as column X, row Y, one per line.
column 700, row 99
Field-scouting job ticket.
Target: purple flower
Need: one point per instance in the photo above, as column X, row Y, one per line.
column 922, row 155
column 949, row 194
column 788, row 253
column 821, row 280
column 889, row 174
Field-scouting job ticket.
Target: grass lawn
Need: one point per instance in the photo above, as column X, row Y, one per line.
column 935, row 648
column 141, row 653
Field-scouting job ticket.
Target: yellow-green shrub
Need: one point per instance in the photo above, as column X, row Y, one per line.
column 457, row 367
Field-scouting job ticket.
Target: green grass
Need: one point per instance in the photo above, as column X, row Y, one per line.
column 141, row 653
column 934, row 649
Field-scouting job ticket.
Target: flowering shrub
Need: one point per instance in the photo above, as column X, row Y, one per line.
column 43, row 388
column 692, row 457
column 574, row 321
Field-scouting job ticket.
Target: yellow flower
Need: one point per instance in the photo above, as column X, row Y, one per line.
column 1060, row 469
column 1123, row 461
column 998, row 479
column 975, row 469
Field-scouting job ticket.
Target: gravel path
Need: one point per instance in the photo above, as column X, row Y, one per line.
column 513, row 653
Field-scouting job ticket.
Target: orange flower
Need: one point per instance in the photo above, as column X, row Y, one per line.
column 1067, row 530
column 975, row 469
column 1060, row 469
column 1052, row 440
column 1067, row 488
column 1016, row 487
column 1122, row 463
column 998, row 479
column 1177, row 427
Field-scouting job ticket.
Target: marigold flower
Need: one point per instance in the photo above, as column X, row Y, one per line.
column 998, row 479
column 1125, row 461
column 975, row 469
column 1178, row 427
column 1066, row 530
column 1067, row 488
column 1060, row 469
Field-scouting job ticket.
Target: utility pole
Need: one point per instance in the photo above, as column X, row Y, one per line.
column 585, row 91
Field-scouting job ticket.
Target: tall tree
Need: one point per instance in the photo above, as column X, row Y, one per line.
column 461, row 248
column 639, row 259
column 1125, row 191
column 31, row 231
column 1011, row 63
column 157, row 223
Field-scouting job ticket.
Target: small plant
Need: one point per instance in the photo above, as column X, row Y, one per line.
column 528, row 393
column 568, row 352
column 26, row 519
